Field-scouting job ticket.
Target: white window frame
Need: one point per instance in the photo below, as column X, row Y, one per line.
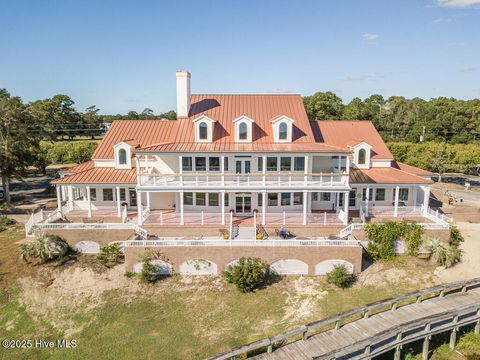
column 249, row 123
column 276, row 128
column 210, row 124
column 128, row 150
column 368, row 151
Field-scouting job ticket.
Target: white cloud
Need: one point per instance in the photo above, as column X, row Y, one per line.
column 442, row 20
column 370, row 38
column 457, row 3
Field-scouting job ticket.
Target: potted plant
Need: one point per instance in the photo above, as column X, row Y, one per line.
column 259, row 236
column 226, row 236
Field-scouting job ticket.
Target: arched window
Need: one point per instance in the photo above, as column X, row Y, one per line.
column 242, row 131
column 283, row 131
column 203, row 131
column 362, row 157
column 122, row 157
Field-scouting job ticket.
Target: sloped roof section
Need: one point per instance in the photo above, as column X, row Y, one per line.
column 347, row 133
column 105, row 175
column 386, row 175
column 411, row 169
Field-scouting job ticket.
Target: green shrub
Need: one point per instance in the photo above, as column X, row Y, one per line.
column 443, row 254
column 382, row 236
column 65, row 152
column 45, row 248
column 248, row 274
column 149, row 273
column 6, row 206
column 110, row 255
column 340, row 277
column 6, row 222
column 455, row 237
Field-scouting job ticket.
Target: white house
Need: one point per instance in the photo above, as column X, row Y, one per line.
column 245, row 155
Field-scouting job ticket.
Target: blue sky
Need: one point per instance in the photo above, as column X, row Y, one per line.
column 122, row 55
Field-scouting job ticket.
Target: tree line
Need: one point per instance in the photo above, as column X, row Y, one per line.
column 414, row 120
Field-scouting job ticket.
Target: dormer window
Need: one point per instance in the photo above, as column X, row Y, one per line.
column 122, row 157
column 283, row 131
column 123, row 154
column 361, row 155
column 282, row 128
column 203, row 129
column 243, row 129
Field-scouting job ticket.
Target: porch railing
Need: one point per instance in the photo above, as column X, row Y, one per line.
column 232, row 243
column 438, row 218
column 215, row 180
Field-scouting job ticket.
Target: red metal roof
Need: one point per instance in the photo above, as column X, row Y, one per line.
column 388, row 175
column 106, row 175
column 411, row 169
column 346, row 133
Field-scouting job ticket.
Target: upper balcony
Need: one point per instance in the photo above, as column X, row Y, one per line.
column 245, row 181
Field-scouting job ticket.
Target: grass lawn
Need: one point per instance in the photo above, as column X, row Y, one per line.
column 113, row 317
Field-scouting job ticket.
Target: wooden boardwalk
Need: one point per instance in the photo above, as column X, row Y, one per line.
column 374, row 329
column 360, row 331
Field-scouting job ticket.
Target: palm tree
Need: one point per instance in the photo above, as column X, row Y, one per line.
column 443, row 254
column 44, row 248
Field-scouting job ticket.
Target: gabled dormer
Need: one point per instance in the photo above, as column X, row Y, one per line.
column 362, row 155
column 123, row 155
column 282, row 128
column 204, row 127
column 243, row 127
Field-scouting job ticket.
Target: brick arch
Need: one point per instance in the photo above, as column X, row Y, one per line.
column 325, row 266
column 164, row 268
column 289, row 267
column 198, row 266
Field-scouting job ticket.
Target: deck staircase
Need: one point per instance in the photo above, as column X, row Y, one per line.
column 246, row 233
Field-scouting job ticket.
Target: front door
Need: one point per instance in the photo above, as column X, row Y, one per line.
column 242, row 166
column 132, row 197
column 243, row 204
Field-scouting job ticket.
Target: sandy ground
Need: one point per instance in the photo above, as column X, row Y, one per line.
column 469, row 267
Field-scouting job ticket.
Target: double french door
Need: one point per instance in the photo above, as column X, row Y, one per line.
column 243, row 204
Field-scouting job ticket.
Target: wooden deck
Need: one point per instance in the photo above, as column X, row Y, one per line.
column 327, row 343
column 373, row 329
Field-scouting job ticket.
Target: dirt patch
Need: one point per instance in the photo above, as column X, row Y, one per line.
column 301, row 299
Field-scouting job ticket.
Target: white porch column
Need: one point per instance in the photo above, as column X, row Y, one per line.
column 340, row 162
column 305, row 198
column 222, row 171
column 139, row 207
column 264, row 171
column 181, row 207
column 347, row 167
column 148, row 200
column 119, row 205
column 89, row 199
column 264, row 207
column 426, row 199
column 415, row 190
column 70, row 197
column 59, row 198
column 137, row 164
column 337, row 202
column 367, row 200
column 395, row 209
column 180, row 168
column 146, row 163
column 346, row 206
column 223, row 206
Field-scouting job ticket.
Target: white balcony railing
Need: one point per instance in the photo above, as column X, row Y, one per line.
column 268, row 180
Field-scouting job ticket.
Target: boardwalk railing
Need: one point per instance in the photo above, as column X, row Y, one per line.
column 337, row 321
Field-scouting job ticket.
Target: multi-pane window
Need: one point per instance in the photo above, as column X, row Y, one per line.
column 123, row 196
column 315, row 196
column 362, row 157
column 226, row 199
column 200, row 199
column 370, row 195
column 122, row 156
column 260, row 164
column 188, row 198
column 107, row 194
column 187, row 163
column 260, row 200
column 93, row 194
column 379, row 194
column 272, row 164
column 326, row 196
column 214, row 164
column 225, row 163
column 285, row 199
column 242, row 131
column 402, row 195
column 352, row 198
column 297, row 198
column 213, row 199
column 282, row 131
column 286, row 164
column 77, row 193
column 203, row 131
column 299, row 163
column 273, row 199
column 200, row 163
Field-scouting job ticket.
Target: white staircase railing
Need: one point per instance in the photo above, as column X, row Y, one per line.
column 231, row 225
column 140, row 232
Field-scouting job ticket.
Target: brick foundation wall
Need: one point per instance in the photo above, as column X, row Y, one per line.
column 103, row 237
column 224, row 255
